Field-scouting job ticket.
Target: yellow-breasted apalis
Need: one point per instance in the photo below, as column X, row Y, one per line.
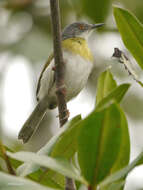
column 79, row 62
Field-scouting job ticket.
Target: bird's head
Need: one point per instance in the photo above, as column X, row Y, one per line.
column 79, row 29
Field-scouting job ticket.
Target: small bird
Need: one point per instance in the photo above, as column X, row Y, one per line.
column 78, row 61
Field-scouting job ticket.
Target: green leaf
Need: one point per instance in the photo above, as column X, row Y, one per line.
column 64, row 138
column 115, row 186
column 131, row 31
column 42, row 177
column 59, row 165
column 105, row 85
column 66, row 145
column 119, row 175
column 116, row 94
column 9, row 182
column 103, row 144
column 68, row 131
column 96, row 10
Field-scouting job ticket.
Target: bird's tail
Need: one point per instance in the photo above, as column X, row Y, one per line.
column 33, row 122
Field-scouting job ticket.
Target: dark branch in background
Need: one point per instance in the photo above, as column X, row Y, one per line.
column 59, row 72
column 6, row 158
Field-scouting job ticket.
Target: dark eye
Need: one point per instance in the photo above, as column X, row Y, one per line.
column 81, row 27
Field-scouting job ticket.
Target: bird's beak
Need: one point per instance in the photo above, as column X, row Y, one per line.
column 97, row 25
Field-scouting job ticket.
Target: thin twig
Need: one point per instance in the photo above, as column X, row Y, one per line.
column 59, row 72
column 6, row 158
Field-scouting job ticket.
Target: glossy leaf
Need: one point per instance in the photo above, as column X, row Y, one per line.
column 116, row 94
column 66, row 132
column 121, row 173
column 103, row 144
column 9, row 182
column 131, row 31
column 105, row 85
column 66, row 145
column 59, row 165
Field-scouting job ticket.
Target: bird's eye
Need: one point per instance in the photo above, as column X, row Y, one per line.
column 81, row 27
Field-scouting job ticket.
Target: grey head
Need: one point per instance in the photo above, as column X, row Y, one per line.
column 79, row 29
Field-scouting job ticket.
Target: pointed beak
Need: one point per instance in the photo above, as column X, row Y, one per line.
column 97, row 25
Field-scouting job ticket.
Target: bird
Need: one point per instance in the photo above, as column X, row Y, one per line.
column 78, row 61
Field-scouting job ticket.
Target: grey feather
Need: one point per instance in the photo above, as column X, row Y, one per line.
column 33, row 121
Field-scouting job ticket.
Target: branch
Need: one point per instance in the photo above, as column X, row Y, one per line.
column 6, row 158
column 59, row 62
column 59, row 72
column 70, row 185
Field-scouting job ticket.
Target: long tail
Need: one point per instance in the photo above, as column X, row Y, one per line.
column 33, row 122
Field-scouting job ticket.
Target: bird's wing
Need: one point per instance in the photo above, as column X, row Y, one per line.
column 41, row 75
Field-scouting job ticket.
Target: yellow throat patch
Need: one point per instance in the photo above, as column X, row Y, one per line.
column 78, row 46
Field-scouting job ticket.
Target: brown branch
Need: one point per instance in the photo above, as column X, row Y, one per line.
column 59, row 63
column 6, row 158
column 70, row 185
column 59, row 72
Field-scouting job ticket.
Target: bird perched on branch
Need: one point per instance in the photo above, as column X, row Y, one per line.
column 78, row 62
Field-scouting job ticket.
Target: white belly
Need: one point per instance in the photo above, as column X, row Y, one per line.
column 76, row 75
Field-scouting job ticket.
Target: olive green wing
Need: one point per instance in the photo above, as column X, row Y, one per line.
column 44, row 68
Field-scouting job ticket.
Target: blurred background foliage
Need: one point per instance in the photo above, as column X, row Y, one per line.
column 26, row 43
